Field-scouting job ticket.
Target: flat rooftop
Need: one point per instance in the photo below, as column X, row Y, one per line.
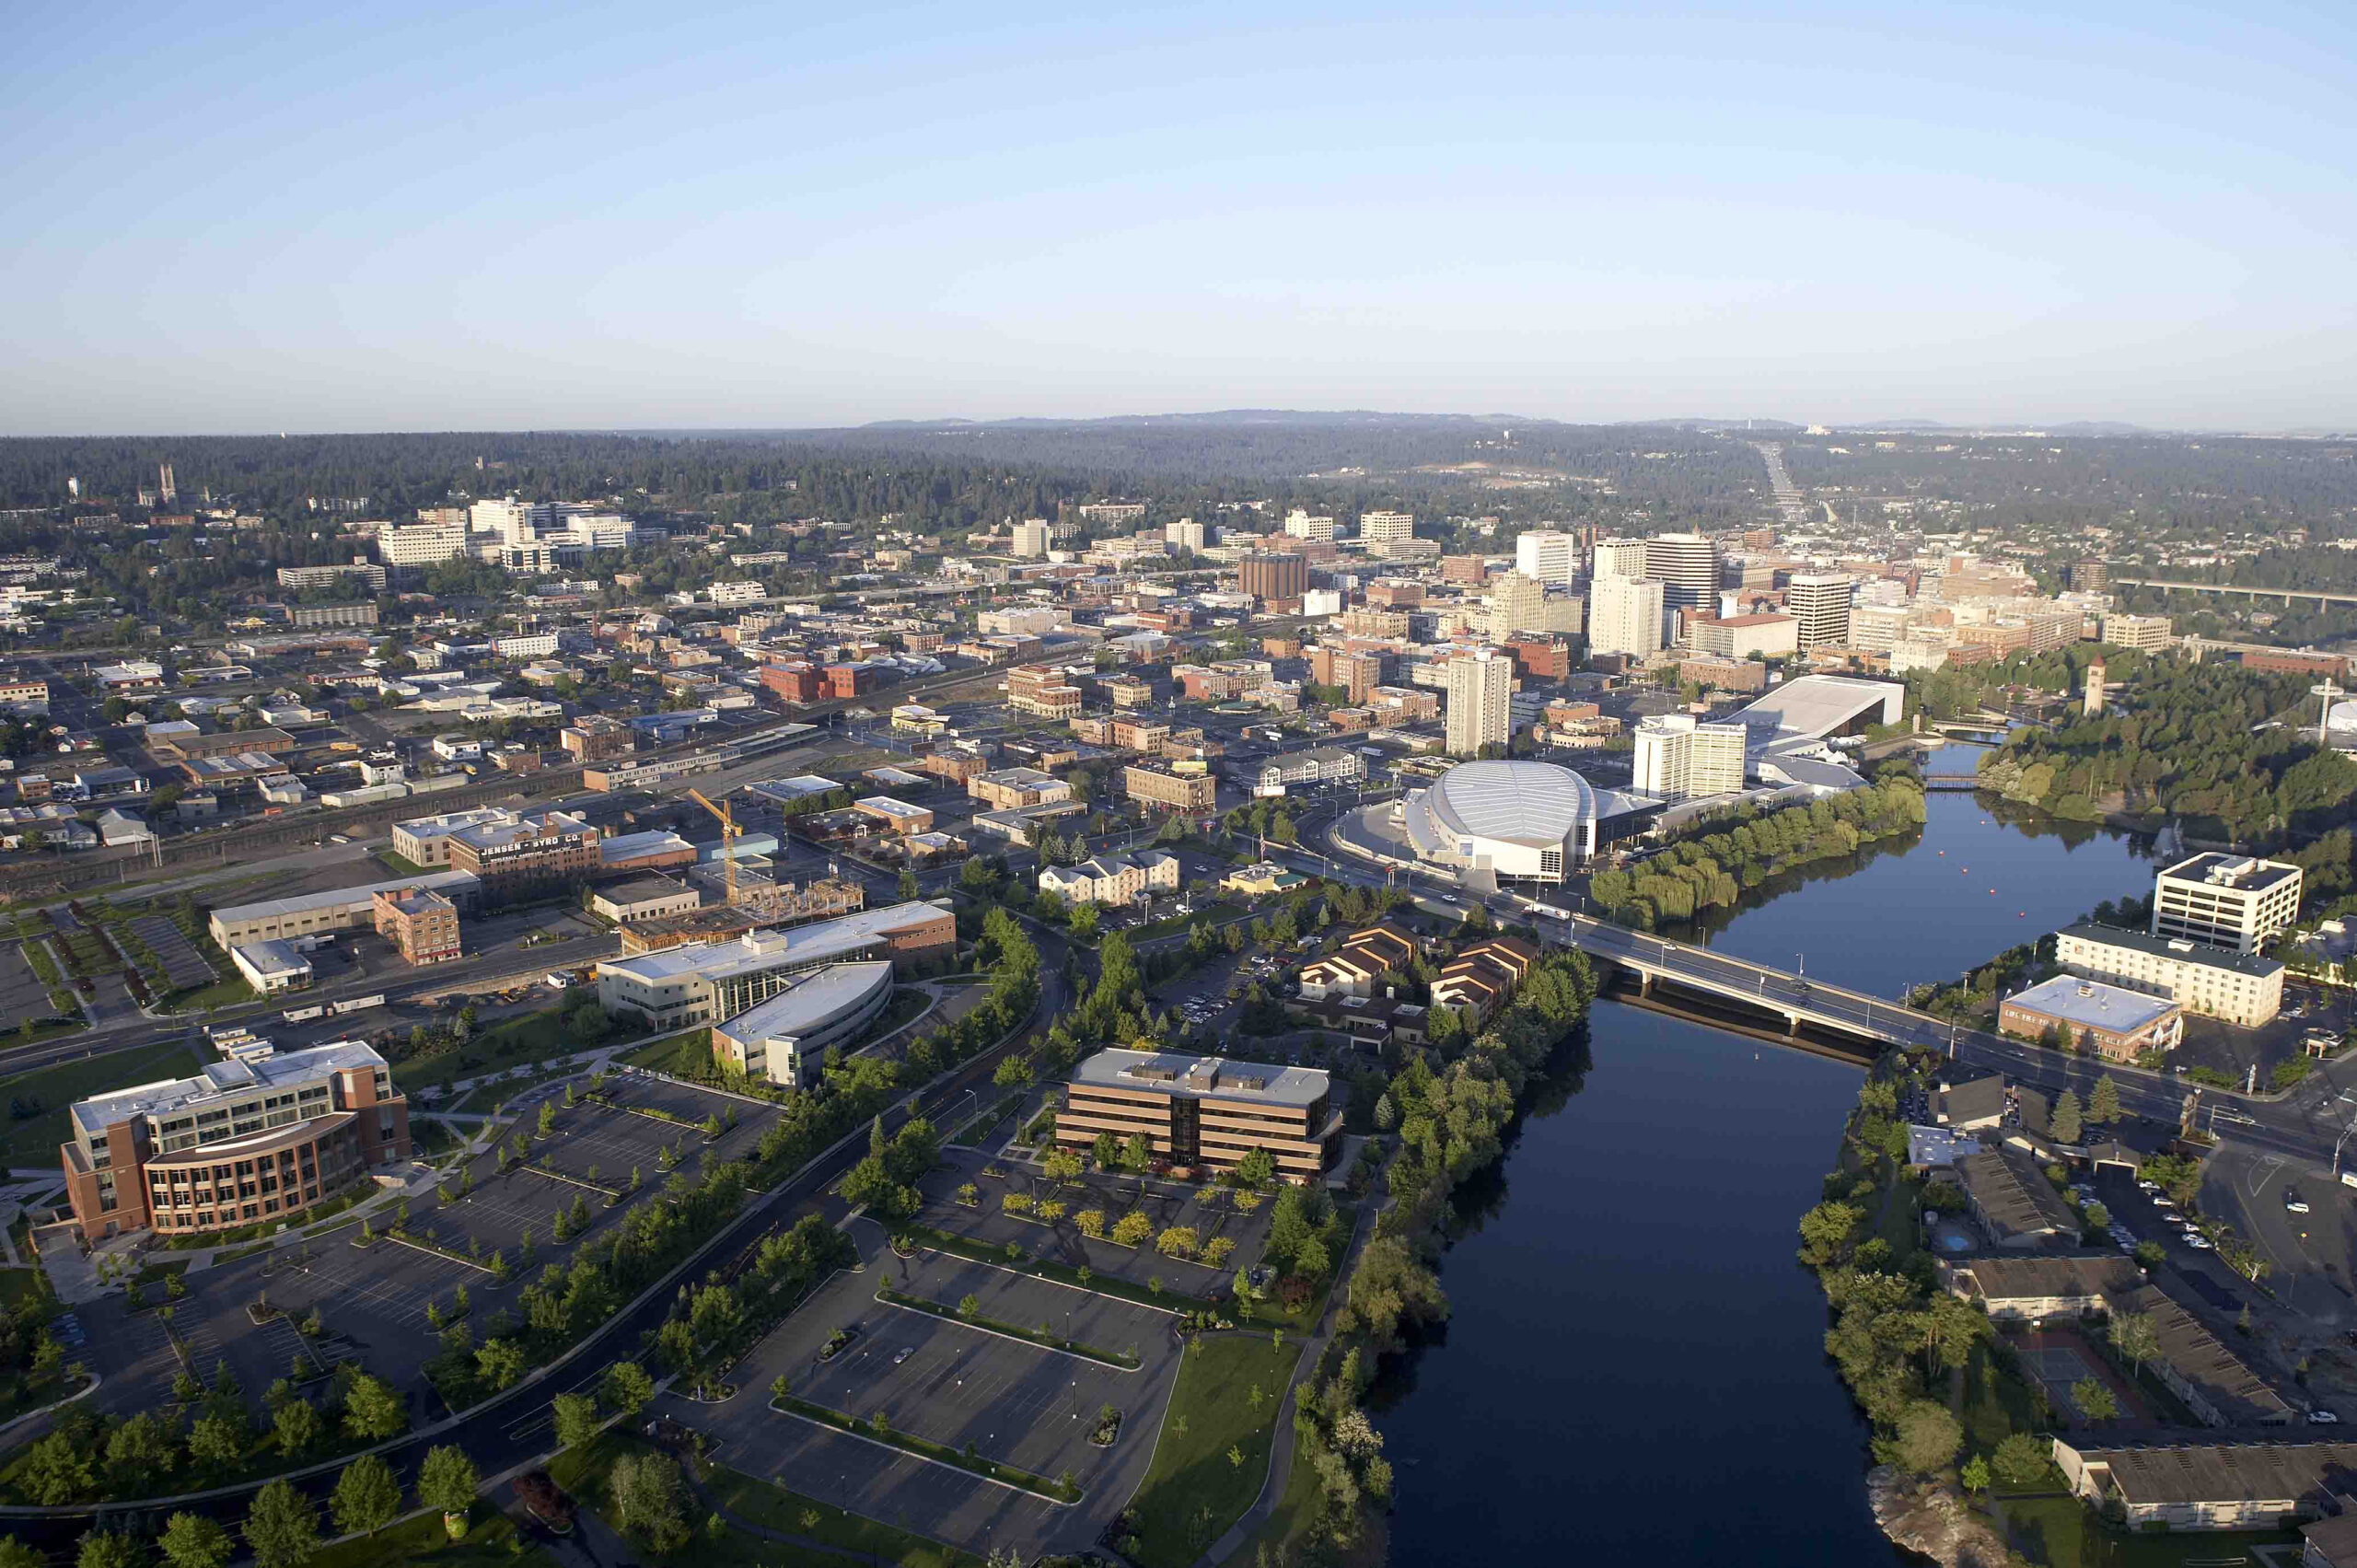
column 219, row 1080
column 2090, row 1004
column 761, row 950
column 439, row 882
column 2256, row 965
column 1202, row 1077
column 2242, row 873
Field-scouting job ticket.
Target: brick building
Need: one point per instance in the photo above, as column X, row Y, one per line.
column 242, row 1142
column 420, row 923
column 1183, row 792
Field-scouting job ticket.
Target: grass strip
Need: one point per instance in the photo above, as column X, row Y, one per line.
column 1115, row 1359
column 1166, row 1300
column 1061, row 1491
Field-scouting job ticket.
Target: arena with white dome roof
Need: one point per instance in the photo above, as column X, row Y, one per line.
column 1529, row 821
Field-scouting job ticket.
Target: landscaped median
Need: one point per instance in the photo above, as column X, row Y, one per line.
column 1061, row 1491
column 1048, row 1269
column 1116, row 1359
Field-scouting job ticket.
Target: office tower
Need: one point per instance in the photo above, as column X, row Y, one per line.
column 1031, row 537
column 1386, row 527
column 1547, row 556
column 2226, row 900
column 1820, row 602
column 1479, row 685
column 1301, row 525
column 1687, row 565
column 1272, row 577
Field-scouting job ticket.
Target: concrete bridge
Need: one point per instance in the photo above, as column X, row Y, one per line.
column 1785, row 993
column 2286, row 595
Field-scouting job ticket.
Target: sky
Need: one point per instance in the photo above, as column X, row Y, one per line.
column 334, row 217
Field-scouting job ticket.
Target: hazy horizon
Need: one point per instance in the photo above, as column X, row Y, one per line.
column 502, row 218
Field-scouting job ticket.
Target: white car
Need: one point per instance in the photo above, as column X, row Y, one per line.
column 2162, row 1203
column 905, row 1352
column 2323, row 1417
column 2294, row 1203
column 2148, row 1187
column 2199, row 1243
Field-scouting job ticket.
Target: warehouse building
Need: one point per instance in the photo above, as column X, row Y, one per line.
column 338, row 909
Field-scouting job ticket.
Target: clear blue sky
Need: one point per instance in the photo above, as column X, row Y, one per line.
column 308, row 216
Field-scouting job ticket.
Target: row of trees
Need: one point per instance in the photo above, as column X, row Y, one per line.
column 1713, row 869
column 1453, row 1106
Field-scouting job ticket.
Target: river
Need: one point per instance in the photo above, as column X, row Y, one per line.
column 1634, row 1370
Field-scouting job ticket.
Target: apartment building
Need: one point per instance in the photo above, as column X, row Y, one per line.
column 245, row 1140
column 2146, row 633
column 421, row 924
column 2226, row 900
column 1302, row 525
column 1318, row 765
column 1113, row 880
column 1203, row 1112
column 424, row 544
column 2240, row 988
column 1478, row 981
column 1042, row 692
column 1625, row 615
column 1167, row 787
column 1678, row 757
column 1360, row 965
column 1032, row 538
column 1478, row 714
column 1385, row 528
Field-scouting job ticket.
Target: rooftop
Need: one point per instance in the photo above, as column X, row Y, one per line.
column 759, row 950
column 2167, row 1470
column 810, row 1001
column 1202, row 1077
column 219, row 1080
column 336, row 897
column 2012, row 1195
column 2256, row 965
column 2092, row 1004
column 2241, row 872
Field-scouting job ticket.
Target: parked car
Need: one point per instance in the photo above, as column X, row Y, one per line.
column 2199, row 1243
column 2323, row 1417
column 2293, row 1202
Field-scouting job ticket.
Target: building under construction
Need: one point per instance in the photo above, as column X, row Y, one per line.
column 763, row 902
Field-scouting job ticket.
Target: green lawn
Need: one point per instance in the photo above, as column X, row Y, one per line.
column 2062, row 1533
column 1195, row 1491
column 906, row 1004
column 1297, row 1508
column 683, row 1053
column 773, row 1507
column 20, row 1284
column 532, row 1038
column 34, row 1139
column 227, row 992
column 1996, row 1402
column 399, row 865
column 490, row 1540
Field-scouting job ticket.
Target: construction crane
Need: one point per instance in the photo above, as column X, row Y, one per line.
column 729, row 836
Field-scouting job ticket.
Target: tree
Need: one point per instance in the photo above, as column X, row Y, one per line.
column 372, row 1411
column 2094, row 1400
column 627, row 1387
column 649, row 1501
column 2020, row 1461
column 2133, row 1335
column 15, row 1554
column 447, row 1480
column 501, row 1362
column 107, row 1549
column 1928, row 1437
column 192, row 1540
column 138, row 1451
column 366, row 1497
column 576, row 1420
column 1975, row 1475
column 2103, row 1103
column 282, row 1527
column 216, row 1440
column 297, row 1427
column 2065, row 1122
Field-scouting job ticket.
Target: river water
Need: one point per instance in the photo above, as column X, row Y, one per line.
column 1633, row 1369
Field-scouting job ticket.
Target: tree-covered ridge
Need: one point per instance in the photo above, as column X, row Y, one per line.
column 2214, row 743
column 1712, row 869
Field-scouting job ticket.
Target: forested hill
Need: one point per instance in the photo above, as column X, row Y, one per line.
column 949, row 475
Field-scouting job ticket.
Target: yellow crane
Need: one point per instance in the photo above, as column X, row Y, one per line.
column 729, row 836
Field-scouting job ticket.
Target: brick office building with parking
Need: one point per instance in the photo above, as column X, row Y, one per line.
column 244, row 1140
column 1205, row 1111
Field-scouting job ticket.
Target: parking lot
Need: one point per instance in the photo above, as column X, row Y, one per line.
column 1165, row 1204
column 954, row 1384
column 22, row 995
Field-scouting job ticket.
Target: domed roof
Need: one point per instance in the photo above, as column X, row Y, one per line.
column 1523, row 803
